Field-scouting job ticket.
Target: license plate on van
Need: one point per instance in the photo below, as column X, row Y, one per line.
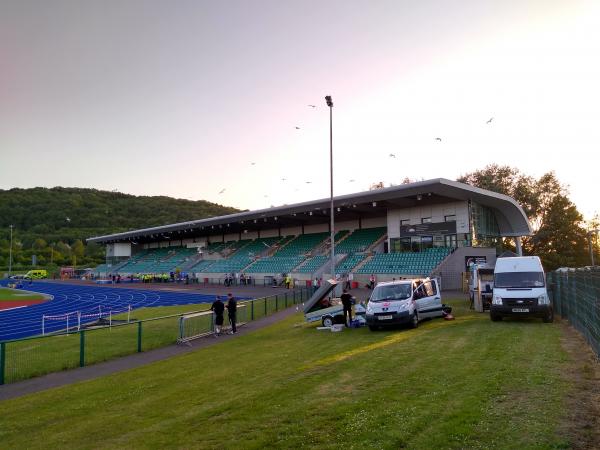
column 520, row 310
column 385, row 317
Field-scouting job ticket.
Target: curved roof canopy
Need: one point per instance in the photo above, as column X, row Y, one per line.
column 510, row 216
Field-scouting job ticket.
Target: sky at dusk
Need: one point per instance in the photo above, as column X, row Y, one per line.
column 188, row 98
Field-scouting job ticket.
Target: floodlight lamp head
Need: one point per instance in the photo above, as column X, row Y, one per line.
column 329, row 100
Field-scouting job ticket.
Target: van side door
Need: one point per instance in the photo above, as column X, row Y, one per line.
column 429, row 303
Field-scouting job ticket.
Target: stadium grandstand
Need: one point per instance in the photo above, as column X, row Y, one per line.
column 426, row 228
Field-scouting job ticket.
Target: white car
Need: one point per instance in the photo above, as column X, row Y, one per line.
column 403, row 302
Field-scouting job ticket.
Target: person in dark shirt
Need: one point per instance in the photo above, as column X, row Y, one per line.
column 347, row 303
column 218, row 308
column 231, row 312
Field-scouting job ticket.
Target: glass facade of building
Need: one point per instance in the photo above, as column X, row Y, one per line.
column 484, row 227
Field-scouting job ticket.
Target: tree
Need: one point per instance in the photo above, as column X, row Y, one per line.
column 558, row 233
column 39, row 244
column 78, row 249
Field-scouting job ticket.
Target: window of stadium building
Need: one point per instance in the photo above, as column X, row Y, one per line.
column 426, row 220
column 450, row 240
column 451, row 218
column 420, row 243
column 417, row 242
column 426, row 242
column 484, row 222
column 398, row 245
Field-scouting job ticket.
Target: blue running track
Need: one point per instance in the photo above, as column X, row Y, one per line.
column 85, row 300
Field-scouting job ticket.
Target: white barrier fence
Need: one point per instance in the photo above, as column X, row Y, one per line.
column 75, row 317
column 197, row 325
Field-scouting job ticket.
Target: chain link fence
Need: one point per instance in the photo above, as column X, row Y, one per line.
column 30, row 357
column 575, row 295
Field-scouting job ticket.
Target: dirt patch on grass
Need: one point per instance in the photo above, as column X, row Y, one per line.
column 581, row 426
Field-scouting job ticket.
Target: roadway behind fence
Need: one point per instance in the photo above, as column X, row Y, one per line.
column 575, row 296
column 26, row 358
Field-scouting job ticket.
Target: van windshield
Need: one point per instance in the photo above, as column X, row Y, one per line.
column 519, row 280
column 391, row 292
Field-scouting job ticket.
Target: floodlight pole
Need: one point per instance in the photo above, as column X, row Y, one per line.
column 10, row 252
column 330, row 104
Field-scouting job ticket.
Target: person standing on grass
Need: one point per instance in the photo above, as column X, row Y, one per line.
column 218, row 308
column 231, row 312
column 347, row 304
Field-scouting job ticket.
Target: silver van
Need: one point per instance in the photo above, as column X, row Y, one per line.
column 403, row 302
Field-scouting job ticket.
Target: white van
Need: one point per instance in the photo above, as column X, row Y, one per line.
column 403, row 302
column 520, row 289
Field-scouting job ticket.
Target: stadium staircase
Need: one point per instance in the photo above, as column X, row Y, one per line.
column 243, row 256
column 366, row 259
column 139, row 262
column 175, row 258
column 290, row 255
column 348, row 264
column 360, row 240
column 312, row 264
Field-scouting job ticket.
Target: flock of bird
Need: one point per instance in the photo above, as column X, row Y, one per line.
column 391, row 155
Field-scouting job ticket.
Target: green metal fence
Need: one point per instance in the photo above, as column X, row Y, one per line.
column 575, row 295
column 26, row 358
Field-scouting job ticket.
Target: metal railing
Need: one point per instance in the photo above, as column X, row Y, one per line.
column 575, row 295
column 21, row 359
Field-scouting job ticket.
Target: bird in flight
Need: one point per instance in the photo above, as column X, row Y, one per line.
column 221, row 191
column 297, row 128
column 308, row 182
column 313, row 106
column 252, row 163
column 438, row 139
column 490, row 121
column 68, row 219
column 283, row 179
column 352, row 181
column 392, row 155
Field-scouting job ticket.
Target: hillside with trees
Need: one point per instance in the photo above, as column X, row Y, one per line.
column 54, row 223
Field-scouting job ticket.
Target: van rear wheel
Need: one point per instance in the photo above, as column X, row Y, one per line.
column 495, row 318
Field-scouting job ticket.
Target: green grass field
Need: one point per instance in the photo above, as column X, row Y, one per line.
column 7, row 295
column 468, row 383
